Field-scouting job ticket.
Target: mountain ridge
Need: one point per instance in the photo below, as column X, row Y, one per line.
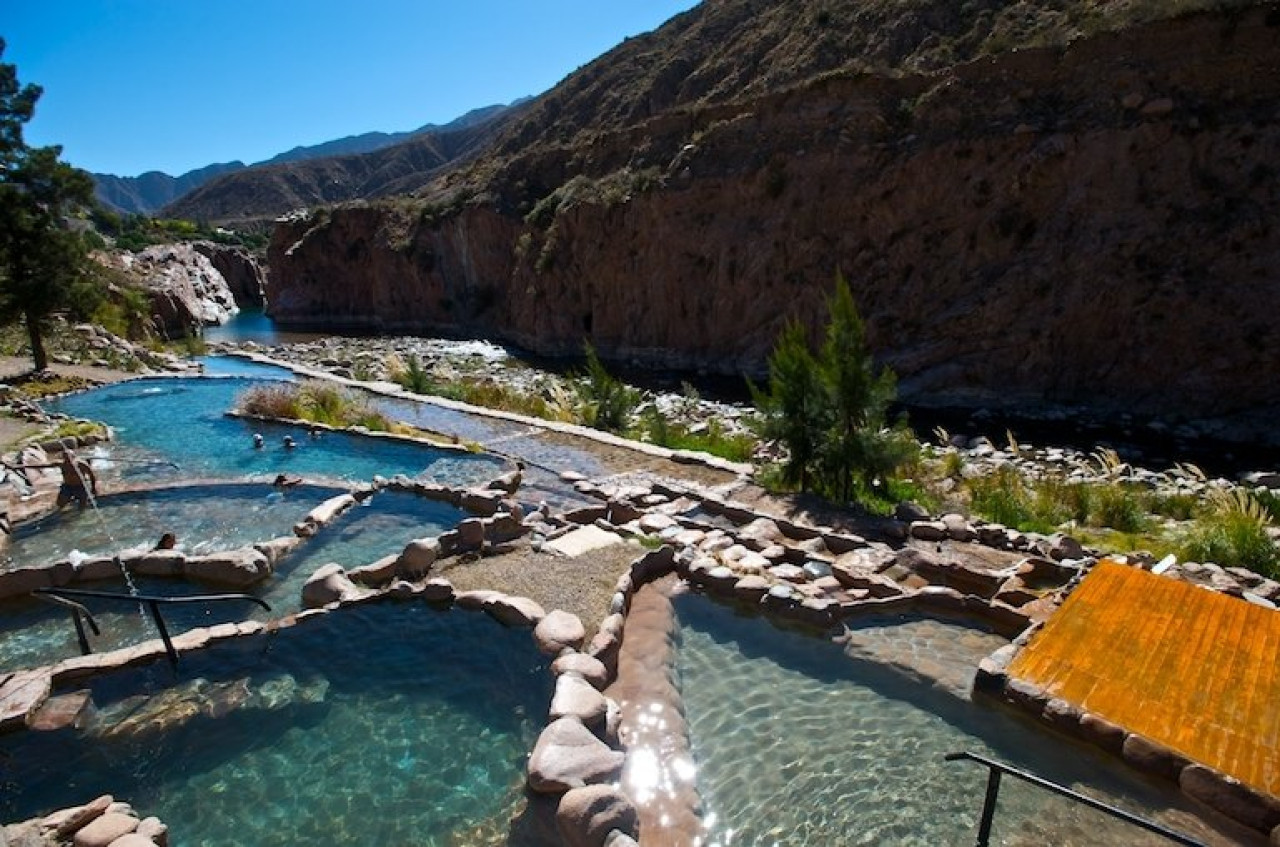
column 1082, row 221
column 151, row 191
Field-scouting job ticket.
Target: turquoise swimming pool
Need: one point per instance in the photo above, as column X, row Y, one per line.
column 384, row 724
column 220, row 517
column 183, row 421
column 801, row 741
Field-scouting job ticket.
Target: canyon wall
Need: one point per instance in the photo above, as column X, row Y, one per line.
column 1085, row 226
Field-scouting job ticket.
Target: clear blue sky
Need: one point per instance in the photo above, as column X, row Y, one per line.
column 172, row 85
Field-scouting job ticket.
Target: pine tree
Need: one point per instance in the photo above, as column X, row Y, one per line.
column 829, row 410
column 41, row 260
column 795, row 407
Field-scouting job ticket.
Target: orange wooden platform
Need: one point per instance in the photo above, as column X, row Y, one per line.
column 1194, row 670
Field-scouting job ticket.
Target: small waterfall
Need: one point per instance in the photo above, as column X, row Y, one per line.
column 69, row 458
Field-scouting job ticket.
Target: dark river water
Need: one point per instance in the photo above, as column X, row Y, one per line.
column 1137, row 442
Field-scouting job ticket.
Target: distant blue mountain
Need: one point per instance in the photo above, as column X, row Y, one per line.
column 153, row 190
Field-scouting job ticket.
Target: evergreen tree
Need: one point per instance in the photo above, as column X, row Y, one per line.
column 856, row 448
column 829, row 410
column 795, row 407
column 41, row 260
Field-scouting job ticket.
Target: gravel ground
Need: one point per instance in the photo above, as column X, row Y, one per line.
column 582, row 585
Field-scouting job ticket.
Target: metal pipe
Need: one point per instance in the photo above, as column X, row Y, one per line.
column 134, row 598
column 152, row 602
column 154, row 607
column 989, row 808
column 1061, row 790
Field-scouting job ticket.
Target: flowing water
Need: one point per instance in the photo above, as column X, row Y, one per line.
column 389, row 724
column 799, row 741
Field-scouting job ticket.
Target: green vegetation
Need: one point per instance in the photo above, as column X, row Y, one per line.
column 42, row 259
column 657, row 428
column 1232, row 530
column 414, row 377
column 134, row 232
column 606, row 402
column 1228, row 527
column 79, row 429
column 829, row 410
column 1006, row 497
column 314, row 400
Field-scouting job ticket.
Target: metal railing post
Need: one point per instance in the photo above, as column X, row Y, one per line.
column 995, row 769
column 153, row 603
column 989, row 808
column 164, row 633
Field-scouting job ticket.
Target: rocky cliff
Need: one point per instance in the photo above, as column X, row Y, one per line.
column 191, row 285
column 1080, row 224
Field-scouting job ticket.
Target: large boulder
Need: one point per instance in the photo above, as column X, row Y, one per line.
column 328, row 584
column 105, row 829
column 418, row 557
column 186, row 290
column 235, row 568
column 557, row 630
column 577, row 698
column 240, row 270
column 588, row 815
column 515, row 611
column 568, row 755
column 588, row 667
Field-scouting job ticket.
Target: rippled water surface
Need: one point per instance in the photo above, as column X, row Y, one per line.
column 392, row 724
column 800, row 741
column 183, row 421
column 203, row 517
column 36, row 633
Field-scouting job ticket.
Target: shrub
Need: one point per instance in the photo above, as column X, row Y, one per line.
column 1233, row 532
column 414, row 377
column 1003, row 497
column 829, row 409
column 326, row 403
column 658, row 429
column 274, row 400
column 316, row 400
column 607, row 403
column 1119, row 507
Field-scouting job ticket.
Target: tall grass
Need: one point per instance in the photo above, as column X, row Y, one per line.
column 1045, row 505
column 1232, row 531
column 607, row 402
column 315, row 400
column 657, row 428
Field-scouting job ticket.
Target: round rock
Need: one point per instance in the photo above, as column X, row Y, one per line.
column 557, row 630
column 587, row 815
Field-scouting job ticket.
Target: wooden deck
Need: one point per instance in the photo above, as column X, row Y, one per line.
column 1194, row 670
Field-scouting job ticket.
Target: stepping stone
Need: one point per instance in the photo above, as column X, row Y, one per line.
column 61, row 711
column 583, row 540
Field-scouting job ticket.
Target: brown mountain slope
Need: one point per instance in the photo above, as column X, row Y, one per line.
column 268, row 191
column 1087, row 223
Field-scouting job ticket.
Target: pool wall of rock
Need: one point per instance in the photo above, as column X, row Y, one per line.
column 584, row 776
column 48, row 699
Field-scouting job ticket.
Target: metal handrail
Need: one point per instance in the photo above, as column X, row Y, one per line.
column 77, row 610
column 995, row 769
column 153, row 603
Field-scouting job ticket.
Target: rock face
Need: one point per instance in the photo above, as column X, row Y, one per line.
column 244, row 276
column 1092, row 207
column 187, row 291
